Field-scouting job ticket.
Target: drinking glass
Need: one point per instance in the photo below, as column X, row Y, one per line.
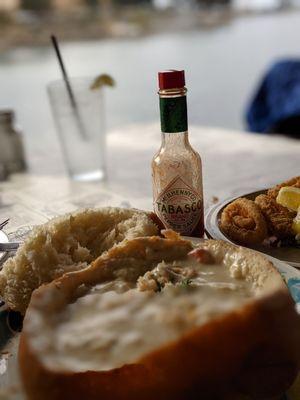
column 79, row 118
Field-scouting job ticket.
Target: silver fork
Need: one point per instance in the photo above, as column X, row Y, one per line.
column 10, row 246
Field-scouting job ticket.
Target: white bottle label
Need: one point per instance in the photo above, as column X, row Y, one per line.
column 179, row 206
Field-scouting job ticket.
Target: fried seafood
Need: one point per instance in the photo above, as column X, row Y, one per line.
column 273, row 192
column 248, row 222
column 279, row 219
column 243, row 222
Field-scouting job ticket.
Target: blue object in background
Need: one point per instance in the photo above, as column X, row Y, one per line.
column 276, row 104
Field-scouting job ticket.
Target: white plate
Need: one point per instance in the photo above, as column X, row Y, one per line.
column 291, row 276
column 290, row 255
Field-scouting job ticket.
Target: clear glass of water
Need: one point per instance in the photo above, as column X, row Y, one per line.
column 80, row 122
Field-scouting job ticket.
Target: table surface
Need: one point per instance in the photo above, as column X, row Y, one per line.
column 233, row 163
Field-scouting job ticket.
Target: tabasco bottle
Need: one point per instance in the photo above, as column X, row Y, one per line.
column 176, row 168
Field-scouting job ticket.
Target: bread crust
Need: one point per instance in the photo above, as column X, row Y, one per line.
column 67, row 243
column 208, row 361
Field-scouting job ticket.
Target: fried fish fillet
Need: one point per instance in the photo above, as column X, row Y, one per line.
column 273, row 192
column 243, row 222
column 279, row 219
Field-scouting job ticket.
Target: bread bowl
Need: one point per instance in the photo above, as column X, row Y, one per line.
column 238, row 343
column 67, row 243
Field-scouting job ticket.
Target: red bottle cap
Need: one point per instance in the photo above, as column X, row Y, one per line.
column 171, row 79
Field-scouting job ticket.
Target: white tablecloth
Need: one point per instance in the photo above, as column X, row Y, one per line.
column 233, row 163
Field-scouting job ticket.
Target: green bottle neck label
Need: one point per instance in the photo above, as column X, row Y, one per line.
column 173, row 114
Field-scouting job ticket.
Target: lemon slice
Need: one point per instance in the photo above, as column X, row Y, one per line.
column 289, row 197
column 296, row 223
column 103, row 80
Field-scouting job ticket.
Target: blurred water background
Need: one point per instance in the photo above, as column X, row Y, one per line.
column 223, row 58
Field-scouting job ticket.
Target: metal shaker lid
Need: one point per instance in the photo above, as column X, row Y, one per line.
column 7, row 115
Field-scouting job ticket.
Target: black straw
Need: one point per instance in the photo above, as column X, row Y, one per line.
column 68, row 85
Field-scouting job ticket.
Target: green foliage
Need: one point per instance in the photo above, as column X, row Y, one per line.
column 36, row 5
column 186, row 282
column 5, row 18
column 132, row 2
column 92, row 3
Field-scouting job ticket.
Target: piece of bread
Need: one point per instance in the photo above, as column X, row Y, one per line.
column 67, row 243
column 193, row 346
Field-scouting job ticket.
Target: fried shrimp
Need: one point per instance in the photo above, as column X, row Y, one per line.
column 243, row 222
column 279, row 219
column 273, row 192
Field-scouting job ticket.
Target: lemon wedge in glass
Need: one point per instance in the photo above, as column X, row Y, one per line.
column 289, row 197
column 103, row 80
column 296, row 223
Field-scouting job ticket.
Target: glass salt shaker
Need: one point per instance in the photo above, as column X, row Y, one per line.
column 11, row 146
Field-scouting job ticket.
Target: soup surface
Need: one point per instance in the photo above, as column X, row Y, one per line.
column 117, row 323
